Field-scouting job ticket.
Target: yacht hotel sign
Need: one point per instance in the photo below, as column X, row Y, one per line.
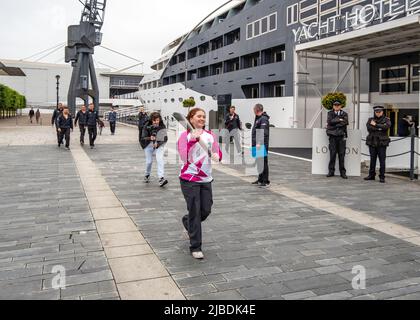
column 316, row 23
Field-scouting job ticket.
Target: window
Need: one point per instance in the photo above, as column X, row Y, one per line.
column 166, row 100
column 232, row 65
column 393, row 80
column 273, row 89
column 203, row 98
column 203, row 49
column 232, row 37
column 398, row 87
column 173, row 100
column 192, row 53
column 273, row 55
column 251, row 91
column 249, row 31
column 415, row 86
column 257, row 29
column 216, row 69
column 262, row 26
column 292, row 14
column 181, row 100
column 192, row 75
column 273, row 22
column 251, row 60
column 203, row 72
column 216, row 43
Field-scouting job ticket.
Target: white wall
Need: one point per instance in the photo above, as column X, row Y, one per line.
column 39, row 85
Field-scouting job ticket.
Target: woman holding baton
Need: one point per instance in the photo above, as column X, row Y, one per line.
column 197, row 148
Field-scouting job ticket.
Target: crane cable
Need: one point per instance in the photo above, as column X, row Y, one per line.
column 43, row 51
column 50, row 53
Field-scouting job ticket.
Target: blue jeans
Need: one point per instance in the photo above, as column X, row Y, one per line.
column 149, row 152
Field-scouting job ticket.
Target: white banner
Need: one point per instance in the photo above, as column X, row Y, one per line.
column 321, row 153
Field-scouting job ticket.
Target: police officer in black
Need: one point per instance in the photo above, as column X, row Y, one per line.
column 92, row 120
column 378, row 141
column 337, row 123
column 262, row 122
column 57, row 112
column 81, row 118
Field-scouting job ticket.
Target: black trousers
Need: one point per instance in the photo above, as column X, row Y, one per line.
column 64, row 133
column 92, row 131
column 58, row 135
column 199, row 198
column 375, row 153
column 112, row 125
column 82, row 128
column 140, row 132
column 337, row 146
column 262, row 166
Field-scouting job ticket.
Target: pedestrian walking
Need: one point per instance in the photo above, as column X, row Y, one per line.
column 57, row 112
column 143, row 119
column 154, row 138
column 196, row 176
column 81, row 118
column 112, row 119
column 101, row 126
column 404, row 125
column 37, row 116
column 337, row 123
column 261, row 138
column 92, row 120
column 378, row 141
column 65, row 124
column 233, row 125
column 31, row 114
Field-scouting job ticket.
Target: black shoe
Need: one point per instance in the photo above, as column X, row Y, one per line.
column 369, row 178
column 382, row 180
column 344, row 176
column 256, row 182
column 330, row 174
column 67, row 148
column 59, row 145
column 146, row 179
column 163, row 182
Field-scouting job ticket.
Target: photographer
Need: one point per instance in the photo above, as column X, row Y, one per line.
column 154, row 138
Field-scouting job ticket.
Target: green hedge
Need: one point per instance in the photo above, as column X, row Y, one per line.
column 10, row 100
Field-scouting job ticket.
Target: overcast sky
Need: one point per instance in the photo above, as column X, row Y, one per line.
column 138, row 28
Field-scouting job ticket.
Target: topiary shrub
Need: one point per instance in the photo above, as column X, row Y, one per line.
column 330, row 98
column 189, row 103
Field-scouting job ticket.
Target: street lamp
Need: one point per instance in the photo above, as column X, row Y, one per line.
column 58, row 88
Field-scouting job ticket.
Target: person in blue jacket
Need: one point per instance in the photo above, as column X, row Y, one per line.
column 112, row 119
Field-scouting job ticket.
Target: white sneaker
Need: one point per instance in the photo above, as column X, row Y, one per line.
column 198, row 255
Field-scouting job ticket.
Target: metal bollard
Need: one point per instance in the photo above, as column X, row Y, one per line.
column 412, row 152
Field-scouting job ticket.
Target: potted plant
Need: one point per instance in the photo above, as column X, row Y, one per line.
column 329, row 99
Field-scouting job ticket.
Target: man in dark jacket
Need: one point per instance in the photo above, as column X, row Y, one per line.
column 65, row 124
column 143, row 119
column 81, row 118
column 233, row 125
column 337, row 123
column 260, row 138
column 112, row 119
column 92, row 120
column 31, row 114
column 378, row 141
column 57, row 112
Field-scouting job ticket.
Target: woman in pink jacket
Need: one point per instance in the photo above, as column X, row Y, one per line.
column 197, row 149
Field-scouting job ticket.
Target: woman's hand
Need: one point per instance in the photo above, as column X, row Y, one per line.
column 215, row 157
column 196, row 134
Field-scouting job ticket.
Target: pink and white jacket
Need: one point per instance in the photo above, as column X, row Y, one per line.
column 196, row 161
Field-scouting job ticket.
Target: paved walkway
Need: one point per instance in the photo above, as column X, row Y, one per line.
column 117, row 237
